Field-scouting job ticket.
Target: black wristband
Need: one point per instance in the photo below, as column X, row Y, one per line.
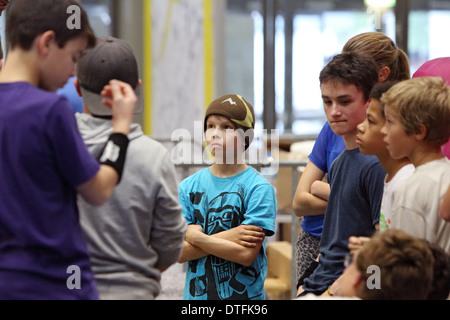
column 114, row 153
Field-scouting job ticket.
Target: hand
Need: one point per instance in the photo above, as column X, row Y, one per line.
column 121, row 98
column 355, row 243
column 245, row 235
column 193, row 231
column 320, row 190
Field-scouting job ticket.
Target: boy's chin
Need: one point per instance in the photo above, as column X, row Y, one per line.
column 230, row 161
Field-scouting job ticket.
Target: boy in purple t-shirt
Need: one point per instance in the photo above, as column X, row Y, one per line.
column 44, row 161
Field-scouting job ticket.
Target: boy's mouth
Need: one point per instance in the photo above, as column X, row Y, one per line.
column 337, row 121
column 359, row 141
column 215, row 145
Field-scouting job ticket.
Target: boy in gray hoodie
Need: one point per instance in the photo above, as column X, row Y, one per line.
column 139, row 232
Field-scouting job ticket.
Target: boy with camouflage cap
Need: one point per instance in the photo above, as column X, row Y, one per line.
column 230, row 209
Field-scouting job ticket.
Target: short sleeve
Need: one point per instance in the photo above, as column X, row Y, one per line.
column 327, row 148
column 318, row 155
column 185, row 203
column 262, row 208
column 73, row 159
column 374, row 186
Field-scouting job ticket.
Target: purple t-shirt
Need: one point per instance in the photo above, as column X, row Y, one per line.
column 42, row 160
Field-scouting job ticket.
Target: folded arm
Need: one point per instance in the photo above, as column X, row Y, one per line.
column 312, row 194
column 240, row 244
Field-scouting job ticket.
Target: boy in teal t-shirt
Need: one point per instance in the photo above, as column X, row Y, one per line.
column 230, row 208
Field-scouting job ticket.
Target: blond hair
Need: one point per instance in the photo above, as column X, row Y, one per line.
column 384, row 51
column 422, row 101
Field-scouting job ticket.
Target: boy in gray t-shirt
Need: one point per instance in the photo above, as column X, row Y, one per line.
column 356, row 180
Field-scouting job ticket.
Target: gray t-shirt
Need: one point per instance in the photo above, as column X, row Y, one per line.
column 353, row 209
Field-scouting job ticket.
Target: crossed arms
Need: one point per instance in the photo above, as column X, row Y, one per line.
column 240, row 244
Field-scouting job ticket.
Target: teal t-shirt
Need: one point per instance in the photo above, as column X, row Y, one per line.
column 220, row 204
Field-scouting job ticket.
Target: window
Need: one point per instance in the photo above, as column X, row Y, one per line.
column 100, row 13
column 429, row 23
column 307, row 35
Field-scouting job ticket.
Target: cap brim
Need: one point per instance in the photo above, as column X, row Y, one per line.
column 93, row 102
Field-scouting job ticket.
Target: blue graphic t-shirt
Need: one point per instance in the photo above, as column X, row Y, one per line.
column 220, row 204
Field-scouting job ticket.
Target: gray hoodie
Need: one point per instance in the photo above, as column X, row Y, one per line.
column 140, row 229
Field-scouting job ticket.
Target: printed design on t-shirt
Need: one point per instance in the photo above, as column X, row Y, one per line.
column 221, row 279
column 383, row 223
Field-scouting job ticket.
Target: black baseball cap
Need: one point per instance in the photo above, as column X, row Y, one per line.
column 111, row 58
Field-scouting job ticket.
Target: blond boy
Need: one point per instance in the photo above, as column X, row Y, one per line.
column 417, row 124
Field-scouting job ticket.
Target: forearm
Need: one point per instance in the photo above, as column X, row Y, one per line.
column 445, row 206
column 306, row 204
column 191, row 252
column 225, row 249
column 321, row 190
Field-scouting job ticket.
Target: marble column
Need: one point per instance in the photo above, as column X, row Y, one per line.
column 177, row 65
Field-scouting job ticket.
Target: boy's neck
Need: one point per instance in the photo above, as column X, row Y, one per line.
column 425, row 153
column 227, row 170
column 392, row 166
column 20, row 66
column 350, row 141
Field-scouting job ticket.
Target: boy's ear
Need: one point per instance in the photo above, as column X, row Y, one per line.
column 384, row 74
column 421, row 132
column 358, row 282
column 77, row 86
column 44, row 41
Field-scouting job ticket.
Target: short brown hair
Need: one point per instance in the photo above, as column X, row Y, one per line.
column 424, row 100
column 405, row 262
column 352, row 68
column 378, row 90
column 384, row 51
column 27, row 19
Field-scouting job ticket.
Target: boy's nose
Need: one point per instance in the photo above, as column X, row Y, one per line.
column 335, row 110
column 360, row 127
column 214, row 133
